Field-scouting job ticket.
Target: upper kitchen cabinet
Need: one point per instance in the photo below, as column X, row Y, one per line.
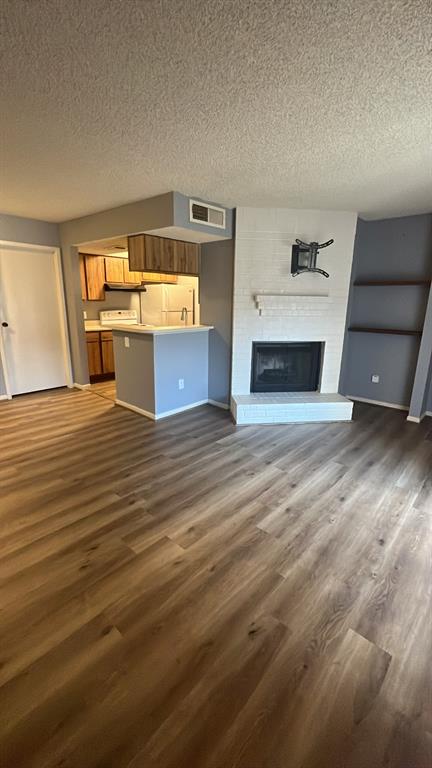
column 131, row 277
column 161, row 254
column 95, row 277
column 114, row 269
column 117, row 271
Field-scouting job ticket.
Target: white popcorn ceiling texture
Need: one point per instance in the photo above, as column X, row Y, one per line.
column 300, row 103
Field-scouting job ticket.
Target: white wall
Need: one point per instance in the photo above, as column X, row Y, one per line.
column 315, row 307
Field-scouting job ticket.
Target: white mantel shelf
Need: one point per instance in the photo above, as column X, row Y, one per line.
column 290, row 304
column 157, row 330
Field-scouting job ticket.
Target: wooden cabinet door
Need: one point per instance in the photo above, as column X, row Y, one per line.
column 192, row 254
column 94, row 355
column 179, row 256
column 114, row 269
column 95, row 273
column 166, row 278
column 149, row 253
column 152, row 253
column 83, row 278
column 131, row 277
column 107, row 355
column 136, row 252
column 167, row 259
column 150, row 277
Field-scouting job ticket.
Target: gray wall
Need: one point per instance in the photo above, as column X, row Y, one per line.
column 148, row 371
column 387, row 249
column 32, row 231
column 181, row 356
column 134, row 367
column 181, row 217
column 216, row 305
column 419, row 396
column 429, row 397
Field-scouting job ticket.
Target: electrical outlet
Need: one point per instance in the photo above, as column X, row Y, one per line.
column 127, row 342
column 181, row 384
column 375, row 378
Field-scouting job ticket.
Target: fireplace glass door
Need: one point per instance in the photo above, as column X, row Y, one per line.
column 285, row 366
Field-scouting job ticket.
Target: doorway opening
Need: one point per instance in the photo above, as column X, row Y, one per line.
column 112, row 294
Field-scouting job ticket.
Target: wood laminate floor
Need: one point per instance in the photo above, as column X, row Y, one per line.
column 105, row 389
column 188, row 594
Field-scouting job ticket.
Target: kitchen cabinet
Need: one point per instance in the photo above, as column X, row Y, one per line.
column 136, row 252
column 107, row 352
column 83, row 278
column 131, row 277
column 100, row 354
column 95, row 277
column 94, row 353
column 114, row 269
column 161, row 254
column 95, row 271
column 117, row 271
column 186, row 257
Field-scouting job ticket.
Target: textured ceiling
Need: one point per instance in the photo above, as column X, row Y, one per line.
column 311, row 103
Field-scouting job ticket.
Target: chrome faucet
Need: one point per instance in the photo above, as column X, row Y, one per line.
column 184, row 315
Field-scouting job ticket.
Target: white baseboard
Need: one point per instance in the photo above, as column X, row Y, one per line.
column 5, row 397
column 81, row 386
column 135, row 408
column 225, row 406
column 416, row 420
column 180, row 410
column 413, row 419
column 164, row 414
column 378, row 402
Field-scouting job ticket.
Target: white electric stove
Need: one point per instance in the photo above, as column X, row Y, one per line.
column 118, row 317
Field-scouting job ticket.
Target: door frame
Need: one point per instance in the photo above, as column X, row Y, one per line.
column 62, row 319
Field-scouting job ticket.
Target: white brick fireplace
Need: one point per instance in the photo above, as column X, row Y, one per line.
column 271, row 305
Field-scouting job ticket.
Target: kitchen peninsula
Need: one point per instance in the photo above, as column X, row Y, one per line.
column 161, row 370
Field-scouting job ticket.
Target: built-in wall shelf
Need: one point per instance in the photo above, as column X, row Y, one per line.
column 392, row 331
column 392, row 282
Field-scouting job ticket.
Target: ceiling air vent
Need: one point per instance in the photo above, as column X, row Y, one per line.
column 209, row 215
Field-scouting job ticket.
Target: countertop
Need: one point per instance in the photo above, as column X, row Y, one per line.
column 95, row 325
column 154, row 330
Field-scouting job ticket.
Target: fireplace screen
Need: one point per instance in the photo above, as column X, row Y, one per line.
column 285, row 366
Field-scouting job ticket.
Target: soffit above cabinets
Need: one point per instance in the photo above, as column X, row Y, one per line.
column 119, row 247
column 186, row 234
column 112, row 247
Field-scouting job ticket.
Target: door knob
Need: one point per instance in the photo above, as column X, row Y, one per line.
column 5, row 325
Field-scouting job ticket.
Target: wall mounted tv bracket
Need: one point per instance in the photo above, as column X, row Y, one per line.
column 304, row 257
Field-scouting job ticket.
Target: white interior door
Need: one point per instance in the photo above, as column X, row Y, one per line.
column 32, row 321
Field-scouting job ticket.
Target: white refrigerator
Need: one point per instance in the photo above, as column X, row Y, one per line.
column 167, row 305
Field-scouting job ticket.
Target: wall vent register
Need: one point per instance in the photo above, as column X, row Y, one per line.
column 286, row 366
column 209, row 215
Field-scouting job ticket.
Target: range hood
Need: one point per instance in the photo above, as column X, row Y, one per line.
column 125, row 287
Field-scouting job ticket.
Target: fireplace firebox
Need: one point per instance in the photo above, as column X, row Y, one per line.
column 292, row 366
